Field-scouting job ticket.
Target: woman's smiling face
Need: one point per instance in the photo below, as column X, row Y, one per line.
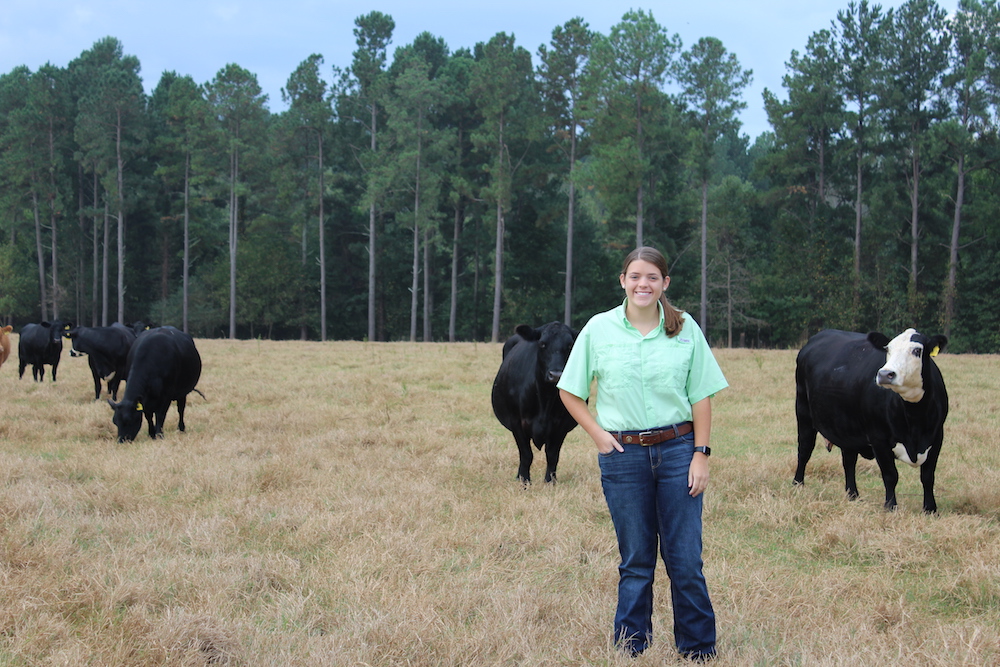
column 643, row 283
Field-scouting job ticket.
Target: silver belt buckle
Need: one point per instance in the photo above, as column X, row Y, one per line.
column 645, row 434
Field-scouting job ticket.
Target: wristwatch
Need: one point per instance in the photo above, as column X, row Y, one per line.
column 707, row 451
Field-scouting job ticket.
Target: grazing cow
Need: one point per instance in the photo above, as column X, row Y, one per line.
column 163, row 365
column 5, row 343
column 106, row 349
column 878, row 398
column 41, row 344
column 525, row 397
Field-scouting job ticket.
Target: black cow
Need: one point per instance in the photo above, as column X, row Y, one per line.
column 878, row 398
column 41, row 344
column 106, row 349
column 136, row 327
column 525, row 397
column 162, row 366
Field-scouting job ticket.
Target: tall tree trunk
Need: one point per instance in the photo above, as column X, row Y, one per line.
column 414, row 283
column 95, row 285
column 729, row 302
column 453, row 308
column 234, row 164
column 187, row 242
column 52, row 223
column 568, row 291
column 322, row 244
column 497, row 274
column 81, row 224
column 857, row 239
column 371, row 244
column 704, row 256
column 428, row 297
column 498, row 249
column 914, row 216
column 105, row 283
column 303, row 328
column 639, row 194
column 951, row 290
column 40, row 254
column 121, row 219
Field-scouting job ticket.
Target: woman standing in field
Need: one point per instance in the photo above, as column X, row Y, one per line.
column 655, row 378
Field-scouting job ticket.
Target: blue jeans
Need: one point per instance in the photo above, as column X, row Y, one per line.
column 647, row 493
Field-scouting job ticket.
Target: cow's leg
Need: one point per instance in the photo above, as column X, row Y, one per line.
column 552, row 449
column 927, row 477
column 21, row 365
column 150, row 422
column 54, row 367
column 526, row 457
column 849, row 457
column 890, row 476
column 97, row 383
column 161, row 419
column 181, row 404
column 807, row 438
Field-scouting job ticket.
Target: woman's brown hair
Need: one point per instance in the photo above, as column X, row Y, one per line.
column 672, row 318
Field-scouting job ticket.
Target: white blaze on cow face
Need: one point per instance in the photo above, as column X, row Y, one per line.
column 900, row 453
column 903, row 367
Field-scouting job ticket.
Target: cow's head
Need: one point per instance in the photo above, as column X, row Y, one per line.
column 555, row 340
column 128, row 418
column 905, row 357
column 72, row 335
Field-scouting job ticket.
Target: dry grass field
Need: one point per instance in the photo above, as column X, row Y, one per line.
column 355, row 504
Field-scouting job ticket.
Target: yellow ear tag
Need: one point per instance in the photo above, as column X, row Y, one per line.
column 138, row 406
column 935, row 351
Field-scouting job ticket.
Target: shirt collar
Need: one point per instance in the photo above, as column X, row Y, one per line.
column 628, row 325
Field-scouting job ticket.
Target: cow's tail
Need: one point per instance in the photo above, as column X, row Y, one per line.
column 200, row 394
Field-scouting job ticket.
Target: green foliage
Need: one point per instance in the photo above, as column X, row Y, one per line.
column 436, row 189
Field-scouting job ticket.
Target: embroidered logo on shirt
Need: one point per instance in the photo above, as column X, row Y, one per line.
column 686, row 341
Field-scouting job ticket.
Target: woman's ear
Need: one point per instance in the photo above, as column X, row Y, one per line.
column 621, row 280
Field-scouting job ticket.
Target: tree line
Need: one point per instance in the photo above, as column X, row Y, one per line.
column 450, row 195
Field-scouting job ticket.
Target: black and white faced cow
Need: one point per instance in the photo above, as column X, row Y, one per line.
column 106, row 349
column 878, row 398
column 163, row 366
column 41, row 344
column 525, row 398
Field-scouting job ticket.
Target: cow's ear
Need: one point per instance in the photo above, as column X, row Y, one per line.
column 526, row 332
column 878, row 339
column 113, row 405
column 936, row 344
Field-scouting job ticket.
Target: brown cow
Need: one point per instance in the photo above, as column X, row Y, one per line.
column 5, row 343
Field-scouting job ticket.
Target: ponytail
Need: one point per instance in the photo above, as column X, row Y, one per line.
column 673, row 320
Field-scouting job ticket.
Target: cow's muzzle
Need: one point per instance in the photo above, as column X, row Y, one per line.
column 885, row 376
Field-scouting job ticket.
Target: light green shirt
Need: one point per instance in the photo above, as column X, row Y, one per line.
column 642, row 381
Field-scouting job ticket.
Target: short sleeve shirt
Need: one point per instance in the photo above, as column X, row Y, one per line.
column 643, row 382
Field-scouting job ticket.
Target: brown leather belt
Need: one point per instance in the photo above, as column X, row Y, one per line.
column 653, row 436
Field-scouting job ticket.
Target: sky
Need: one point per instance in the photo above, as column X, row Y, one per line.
column 270, row 39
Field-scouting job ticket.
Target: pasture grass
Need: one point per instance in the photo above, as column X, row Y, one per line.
column 351, row 503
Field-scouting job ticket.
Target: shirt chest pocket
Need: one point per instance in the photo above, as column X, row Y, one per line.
column 618, row 366
column 640, row 364
column 668, row 367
